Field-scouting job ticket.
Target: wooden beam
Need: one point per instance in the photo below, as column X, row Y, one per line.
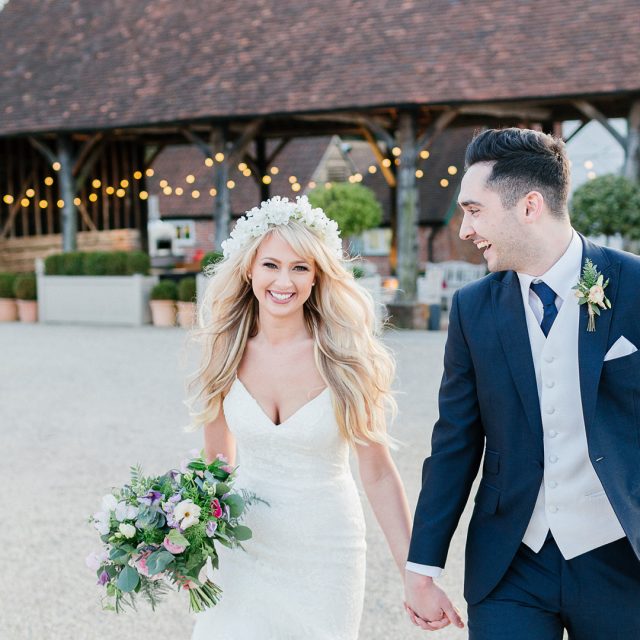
column 592, row 113
column 575, row 132
column 276, row 152
column 198, row 142
column 87, row 148
column 379, row 131
column 81, row 171
column 43, row 149
column 435, row 129
column 239, row 146
column 86, row 217
column 151, row 153
column 13, row 212
column 521, row 112
column 386, row 171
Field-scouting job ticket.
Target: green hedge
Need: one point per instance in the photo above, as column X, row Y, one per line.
column 210, row 258
column 97, row 263
column 187, row 290
column 25, row 287
column 165, row 290
column 7, row 281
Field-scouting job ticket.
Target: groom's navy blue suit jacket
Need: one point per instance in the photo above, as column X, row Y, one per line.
column 489, row 403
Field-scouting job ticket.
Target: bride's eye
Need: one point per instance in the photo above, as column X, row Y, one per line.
column 269, row 265
column 301, row 267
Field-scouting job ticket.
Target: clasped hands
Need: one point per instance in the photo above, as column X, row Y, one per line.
column 427, row 604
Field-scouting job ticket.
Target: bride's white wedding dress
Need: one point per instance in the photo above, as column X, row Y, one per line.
column 302, row 576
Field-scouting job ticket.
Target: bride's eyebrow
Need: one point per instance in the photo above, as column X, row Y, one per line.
column 279, row 262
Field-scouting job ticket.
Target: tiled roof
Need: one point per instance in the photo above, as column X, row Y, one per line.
column 72, row 64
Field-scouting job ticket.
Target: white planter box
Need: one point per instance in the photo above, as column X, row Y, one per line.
column 119, row 300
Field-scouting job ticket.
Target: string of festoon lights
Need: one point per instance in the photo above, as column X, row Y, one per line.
column 120, row 189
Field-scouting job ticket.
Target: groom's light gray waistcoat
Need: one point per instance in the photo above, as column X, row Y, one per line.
column 572, row 502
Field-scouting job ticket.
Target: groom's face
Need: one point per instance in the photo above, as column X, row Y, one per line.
column 495, row 230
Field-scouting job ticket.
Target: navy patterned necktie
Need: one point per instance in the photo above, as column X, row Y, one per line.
column 548, row 298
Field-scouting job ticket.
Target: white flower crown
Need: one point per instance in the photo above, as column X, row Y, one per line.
column 278, row 211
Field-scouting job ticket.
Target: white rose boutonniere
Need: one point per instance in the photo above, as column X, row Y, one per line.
column 590, row 291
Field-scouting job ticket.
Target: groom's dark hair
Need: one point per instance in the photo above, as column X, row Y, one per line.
column 523, row 160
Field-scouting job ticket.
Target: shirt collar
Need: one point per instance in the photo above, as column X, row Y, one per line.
column 563, row 275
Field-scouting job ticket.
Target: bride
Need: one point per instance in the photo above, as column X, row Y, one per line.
column 293, row 375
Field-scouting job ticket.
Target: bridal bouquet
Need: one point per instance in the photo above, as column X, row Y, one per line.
column 160, row 532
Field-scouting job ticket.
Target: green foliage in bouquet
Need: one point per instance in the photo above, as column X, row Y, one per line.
column 187, row 290
column 165, row 290
column 353, row 206
column 25, row 287
column 7, row 281
column 161, row 532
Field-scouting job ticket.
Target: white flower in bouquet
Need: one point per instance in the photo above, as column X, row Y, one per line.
column 125, row 511
column 127, row 530
column 187, row 513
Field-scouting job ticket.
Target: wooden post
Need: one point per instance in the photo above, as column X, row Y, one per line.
column 632, row 150
column 407, row 204
column 222, row 203
column 69, row 221
column 261, row 162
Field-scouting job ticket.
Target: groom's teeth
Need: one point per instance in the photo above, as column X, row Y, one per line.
column 483, row 245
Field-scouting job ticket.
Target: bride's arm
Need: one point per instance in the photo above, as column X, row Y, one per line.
column 218, row 439
column 385, row 492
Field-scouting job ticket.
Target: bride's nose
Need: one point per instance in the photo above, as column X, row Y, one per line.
column 283, row 279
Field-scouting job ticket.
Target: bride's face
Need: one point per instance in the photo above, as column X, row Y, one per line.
column 282, row 280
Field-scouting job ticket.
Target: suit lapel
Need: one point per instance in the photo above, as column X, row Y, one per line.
column 512, row 328
column 592, row 346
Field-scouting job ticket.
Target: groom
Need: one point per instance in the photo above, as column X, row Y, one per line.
column 554, row 540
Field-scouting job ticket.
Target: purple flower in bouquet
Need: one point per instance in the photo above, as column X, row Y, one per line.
column 211, row 528
column 152, row 498
column 103, row 578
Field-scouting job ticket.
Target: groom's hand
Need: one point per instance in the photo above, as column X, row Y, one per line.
column 427, row 604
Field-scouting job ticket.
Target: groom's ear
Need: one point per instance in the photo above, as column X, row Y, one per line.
column 533, row 204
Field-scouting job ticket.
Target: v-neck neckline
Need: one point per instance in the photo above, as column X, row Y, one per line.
column 266, row 415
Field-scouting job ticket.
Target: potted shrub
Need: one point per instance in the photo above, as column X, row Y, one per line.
column 163, row 303
column 96, row 287
column 26, row 292
column 187, row 302
column 8, row 306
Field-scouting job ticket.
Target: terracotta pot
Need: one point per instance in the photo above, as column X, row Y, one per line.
column 28, row 310
column 186, row 314
column 163, row 313
column 8, row 310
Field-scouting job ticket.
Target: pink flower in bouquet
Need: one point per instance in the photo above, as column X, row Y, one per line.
column 141, row 564
column 221, row 458
column 227, row 468
column 216, row 509
column 171, row 547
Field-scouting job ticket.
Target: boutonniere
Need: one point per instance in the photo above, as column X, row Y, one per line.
column 590, row 291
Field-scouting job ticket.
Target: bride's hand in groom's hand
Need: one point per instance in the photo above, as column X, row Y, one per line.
column 427, row 604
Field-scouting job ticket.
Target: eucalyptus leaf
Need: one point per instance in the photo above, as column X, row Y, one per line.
column 177, row 538
column 236, row 505
column 242, row 533
column 128, row 579
column 158, row 561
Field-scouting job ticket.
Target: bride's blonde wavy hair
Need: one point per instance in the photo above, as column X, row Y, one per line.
column 340, row 317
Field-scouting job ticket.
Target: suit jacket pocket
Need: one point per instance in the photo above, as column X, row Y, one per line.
column 487, row 498
column 632, row 360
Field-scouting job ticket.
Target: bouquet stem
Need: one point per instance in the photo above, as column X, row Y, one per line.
column 201, row 598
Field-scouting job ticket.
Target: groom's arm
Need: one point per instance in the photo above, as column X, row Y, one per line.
column 456, row 450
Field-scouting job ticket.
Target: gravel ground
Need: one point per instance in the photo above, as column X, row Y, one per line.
column 82, row 404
